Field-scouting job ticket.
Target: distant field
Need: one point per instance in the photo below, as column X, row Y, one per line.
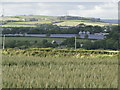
column 9, row 18
column 65, row 23
column 26, row 17
column 17, row 25
column 75, row 23
column 29, row 23
column 39, row 39
column 47, row 21
column 37, row 16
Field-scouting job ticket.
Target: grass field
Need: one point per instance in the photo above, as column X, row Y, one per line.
column 8, row 18
column 17, row 18
column 51, row 19
column 65, row 23
column 18, row 26
column 29, row 23
column 76, row 22
column 39, row 39
column 36, row 16
column 31, row 38
column 63, row 72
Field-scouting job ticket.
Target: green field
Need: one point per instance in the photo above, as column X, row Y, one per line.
column 18, row 25
column 8, row 18
column 29, row 23
column 39, row 39
column 50, row 19
column 76, row 22
column 18, row 18
column 32, row 38
column 65, row 23
column 43, row 68
column 36, row 16
column 20, row 71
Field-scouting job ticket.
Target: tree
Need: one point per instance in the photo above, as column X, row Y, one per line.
column 45, row 44
column 86, row 36
column 10, row 43
column 88, row 45
column 70, row 43
column 77, row 36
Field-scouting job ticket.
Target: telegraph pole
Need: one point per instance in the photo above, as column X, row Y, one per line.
column 3, row 41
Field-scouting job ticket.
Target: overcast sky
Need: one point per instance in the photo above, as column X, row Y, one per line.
column 103, row 10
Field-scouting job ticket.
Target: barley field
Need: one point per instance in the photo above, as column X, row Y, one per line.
column 29, row 23
column 66, row 23
column 95, row 71
column 12, row 25
column 77, row 22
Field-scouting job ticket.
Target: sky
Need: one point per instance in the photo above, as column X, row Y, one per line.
column 104, row 9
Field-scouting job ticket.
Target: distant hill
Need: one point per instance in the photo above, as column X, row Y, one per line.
column 62, row 21
column 115, row 21
column 39, row 17
column 78, row 18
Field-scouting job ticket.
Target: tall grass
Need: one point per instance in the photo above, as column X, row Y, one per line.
column 63, row 72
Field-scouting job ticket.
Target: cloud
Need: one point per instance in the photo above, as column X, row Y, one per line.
column 59, row 0
column 107, row 10
column 93, row 9
column 54, row 9
column 81, row 7
column 18, row 9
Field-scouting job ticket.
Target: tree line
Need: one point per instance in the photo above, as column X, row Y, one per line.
column 54, row 29
column 112, row 41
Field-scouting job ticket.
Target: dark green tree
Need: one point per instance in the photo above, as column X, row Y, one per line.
column 86, row 36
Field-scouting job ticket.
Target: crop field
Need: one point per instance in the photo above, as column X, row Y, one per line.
column 37, row 16
column 29, row 23
column 51, row 19
column 64, row 23
column 17, row 18
column 29, row 71
column 68, row 23
column 18, row 26
column 76, row 22
column 8, row 18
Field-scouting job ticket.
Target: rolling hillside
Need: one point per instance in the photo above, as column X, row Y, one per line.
column 32, row 21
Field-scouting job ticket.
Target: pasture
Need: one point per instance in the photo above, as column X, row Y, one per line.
column 47, row 20
column 39, row 39
column 12, row 25
column 65, row 23
column 86, row 22
column 32, row 39
column 29, row 23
